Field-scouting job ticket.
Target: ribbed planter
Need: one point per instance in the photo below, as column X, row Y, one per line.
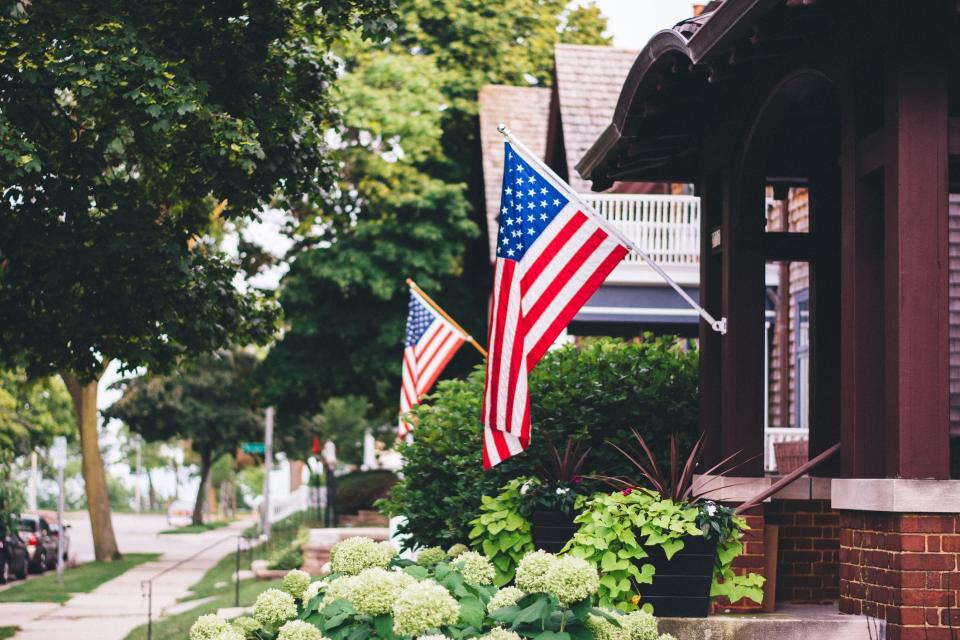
column 552, row 530
column 681, row 585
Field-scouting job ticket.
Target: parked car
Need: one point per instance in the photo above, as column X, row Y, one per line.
column 41, row 543
column 179, row 513
column 14, row 560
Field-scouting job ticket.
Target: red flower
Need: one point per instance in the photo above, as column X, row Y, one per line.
column 628, row 491
column 577, row 479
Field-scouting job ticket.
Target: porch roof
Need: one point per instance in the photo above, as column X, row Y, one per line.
column 676, row 90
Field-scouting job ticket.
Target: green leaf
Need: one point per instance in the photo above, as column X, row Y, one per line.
column 472, row 612
column 384, row 626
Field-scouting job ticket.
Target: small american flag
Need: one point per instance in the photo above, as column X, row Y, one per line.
column 429, row 344
column 553, row 253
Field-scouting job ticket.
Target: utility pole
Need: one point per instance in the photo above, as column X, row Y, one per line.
column 32, row 494
column 267, row 467
column 136, row 484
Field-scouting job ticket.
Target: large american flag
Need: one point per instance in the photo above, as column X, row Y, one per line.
column 429, row 344
column 553, row 252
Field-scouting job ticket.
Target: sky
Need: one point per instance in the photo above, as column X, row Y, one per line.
column 633, row 22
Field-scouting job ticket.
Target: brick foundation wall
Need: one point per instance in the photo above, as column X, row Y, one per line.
column 808, row 554
column 751, row 561
column 902, row 568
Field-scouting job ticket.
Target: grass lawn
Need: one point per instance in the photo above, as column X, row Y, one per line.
column 217, row 583
column 197, row 528
column 8, row 632
column 80, row 579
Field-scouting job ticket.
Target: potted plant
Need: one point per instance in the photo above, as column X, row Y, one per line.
column 660, row 546
column 549, row 501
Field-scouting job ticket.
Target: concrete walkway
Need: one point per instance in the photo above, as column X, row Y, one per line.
column 112, row 610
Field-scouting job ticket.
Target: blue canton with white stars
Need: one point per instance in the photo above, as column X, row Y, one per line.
column 528, row 203
column 419, row 319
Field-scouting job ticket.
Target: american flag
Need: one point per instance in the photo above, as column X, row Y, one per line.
column 553, row 252
column 429, row 344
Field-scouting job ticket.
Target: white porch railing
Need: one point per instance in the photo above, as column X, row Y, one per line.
column 666, row 227
column 772, row 435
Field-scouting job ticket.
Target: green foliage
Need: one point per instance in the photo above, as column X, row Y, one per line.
column 501, row 532
column 617, row 529
column 341, row 420
column 208, row 400
column 11, row 494
column 540, row 615
column 598, row 392
column 122, row 126
column 289, row 555
column 32, row 412
column 361, row 489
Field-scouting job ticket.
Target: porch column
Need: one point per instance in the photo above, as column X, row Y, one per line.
column 711, row 206
column 915, row 274
column 894, row 409
column 742, row 350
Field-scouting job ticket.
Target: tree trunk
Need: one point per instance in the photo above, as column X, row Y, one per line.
column 205, row 464
column 84, row 396
column 151, row 494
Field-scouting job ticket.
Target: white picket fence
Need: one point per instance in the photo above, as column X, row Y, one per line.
column 666, row 227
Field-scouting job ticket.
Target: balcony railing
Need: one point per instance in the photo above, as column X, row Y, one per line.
column 666, row 227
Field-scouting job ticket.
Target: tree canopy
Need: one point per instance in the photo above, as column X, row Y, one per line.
column 409, row 199
column 209, row 401
column 126, row 130
column 32, row 412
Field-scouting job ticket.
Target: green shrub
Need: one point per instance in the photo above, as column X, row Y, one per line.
column 598, row 391
column 361, row 489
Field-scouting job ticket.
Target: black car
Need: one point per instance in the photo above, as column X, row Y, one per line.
column 14, row 560
column 40, row 541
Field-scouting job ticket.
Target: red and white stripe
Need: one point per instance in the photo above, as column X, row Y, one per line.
column 423, row 362
column 533, row 301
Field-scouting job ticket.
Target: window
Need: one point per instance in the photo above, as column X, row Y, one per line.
column 802, row 350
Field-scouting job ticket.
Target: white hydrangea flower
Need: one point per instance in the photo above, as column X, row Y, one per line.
column 499, row 633
column 456, row 550
column 435, row 636
column 299, row 630
column 274, row 607
column 424, row 606
column 314, row 590
column 603, row 629
column 339, row 589
column 571, row 579
column 429, row 556
column 296, row 582
column 353, row 555
column 640, row 625
column 505, row 597
column 562, row 491
column 532, row 570
column 208, row 627
column 230, row 633
column 475, row 568
column 374, row 591
column 245, row 625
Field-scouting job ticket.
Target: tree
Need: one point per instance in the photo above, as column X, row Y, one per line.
column 209, row 401
column 11, row 495
column 32, row 412
column 409, row 200
column 124, row 129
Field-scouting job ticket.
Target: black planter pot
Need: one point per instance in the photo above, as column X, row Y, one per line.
column 552, row 530
column 681, row 585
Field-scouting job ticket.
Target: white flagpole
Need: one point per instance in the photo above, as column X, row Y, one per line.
column 720, row 326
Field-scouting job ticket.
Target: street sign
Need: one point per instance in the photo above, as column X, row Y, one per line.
column 253, row 447
column 58, row 452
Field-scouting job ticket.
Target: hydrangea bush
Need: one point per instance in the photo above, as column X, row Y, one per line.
column 376, row 594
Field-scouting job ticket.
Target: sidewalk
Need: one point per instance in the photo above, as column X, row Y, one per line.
column 112, row 610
